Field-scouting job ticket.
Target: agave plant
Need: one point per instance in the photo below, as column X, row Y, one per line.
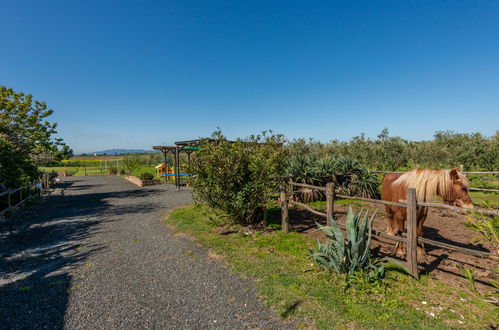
column 346, row 257
column 351, row 255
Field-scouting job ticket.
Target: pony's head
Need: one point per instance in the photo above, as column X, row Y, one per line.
column 456, row 193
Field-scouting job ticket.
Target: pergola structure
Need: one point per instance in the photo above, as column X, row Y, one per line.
column 187, row 147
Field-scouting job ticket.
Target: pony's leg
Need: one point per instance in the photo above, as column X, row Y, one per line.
column 399, row 228
column 422, row 214
column 390, row 225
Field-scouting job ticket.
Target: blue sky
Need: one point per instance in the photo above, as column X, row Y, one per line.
column 131, row 74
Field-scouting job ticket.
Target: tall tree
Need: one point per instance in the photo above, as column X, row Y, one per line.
column 26, row 137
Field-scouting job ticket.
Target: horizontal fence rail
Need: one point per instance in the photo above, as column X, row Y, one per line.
column 11, row 205
column 304, row 185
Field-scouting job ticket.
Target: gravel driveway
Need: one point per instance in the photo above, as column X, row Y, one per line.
column 96, row 255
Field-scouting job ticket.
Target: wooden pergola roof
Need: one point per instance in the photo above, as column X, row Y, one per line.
column 187, row 147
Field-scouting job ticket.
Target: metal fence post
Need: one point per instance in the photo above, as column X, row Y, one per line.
column 412, row 236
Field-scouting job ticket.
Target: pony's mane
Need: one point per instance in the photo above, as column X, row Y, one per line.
column 428, row 183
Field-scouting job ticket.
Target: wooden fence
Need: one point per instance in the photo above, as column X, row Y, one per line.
column 410, row 238
column 16, row 197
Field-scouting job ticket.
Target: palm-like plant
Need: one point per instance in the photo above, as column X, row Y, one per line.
column 350, row 176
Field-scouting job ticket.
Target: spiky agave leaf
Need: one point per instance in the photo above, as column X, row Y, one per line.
column 351, row 225
column 365, row 256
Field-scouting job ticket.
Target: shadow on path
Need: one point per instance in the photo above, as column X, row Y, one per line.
column 42, row 246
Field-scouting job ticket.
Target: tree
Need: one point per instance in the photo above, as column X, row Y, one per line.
column 26, row 137
column 66, row 152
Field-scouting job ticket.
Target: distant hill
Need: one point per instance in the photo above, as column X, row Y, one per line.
column 112, row 152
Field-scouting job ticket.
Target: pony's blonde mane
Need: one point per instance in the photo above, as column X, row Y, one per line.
column 428, row 183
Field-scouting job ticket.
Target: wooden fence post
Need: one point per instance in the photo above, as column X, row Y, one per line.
column 329, row 202
column 461, row 168
column 284, row 209
column 292, row 191
column 412, row 236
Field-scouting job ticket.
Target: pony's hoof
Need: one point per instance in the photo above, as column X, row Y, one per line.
column 400, row 254
column 422, row 256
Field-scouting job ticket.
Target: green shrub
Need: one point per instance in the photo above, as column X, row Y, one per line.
column 146, row 176
column 113, row 170
column 353, row 256
column 237, row 177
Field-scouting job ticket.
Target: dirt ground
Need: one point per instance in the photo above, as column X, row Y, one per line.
column 441, row 225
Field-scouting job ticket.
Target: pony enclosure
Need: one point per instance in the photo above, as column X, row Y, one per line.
column 446, row 239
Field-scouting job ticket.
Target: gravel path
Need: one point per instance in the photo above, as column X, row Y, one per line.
column 96, row 255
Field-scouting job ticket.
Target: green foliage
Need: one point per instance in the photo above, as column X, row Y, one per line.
column 26, row 137
column 486, row 228
column 469, row 274
column 129, row 164
column 66, row 152
column 447, row 150
column 350, row 176
column 236, row 176
column 146, row 176
column 352, row 256
column 16, row 168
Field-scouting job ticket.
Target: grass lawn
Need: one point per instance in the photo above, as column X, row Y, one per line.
column 294, row 286
column 96, row 170
column 77, row 170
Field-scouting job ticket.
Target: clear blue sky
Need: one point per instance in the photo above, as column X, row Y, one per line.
column 131, row 74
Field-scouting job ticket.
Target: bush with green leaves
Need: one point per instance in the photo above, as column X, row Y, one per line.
column 146, row 176
column 236, row 177
column 113, row 170
column 350, row 257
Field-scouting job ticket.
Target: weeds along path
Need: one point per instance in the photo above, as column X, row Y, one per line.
column 95, row 254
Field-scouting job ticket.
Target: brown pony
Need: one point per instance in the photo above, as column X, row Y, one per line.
column 450, row 185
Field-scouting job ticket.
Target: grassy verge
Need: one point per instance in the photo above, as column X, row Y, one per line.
column 92, row 170
column 294, row 286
